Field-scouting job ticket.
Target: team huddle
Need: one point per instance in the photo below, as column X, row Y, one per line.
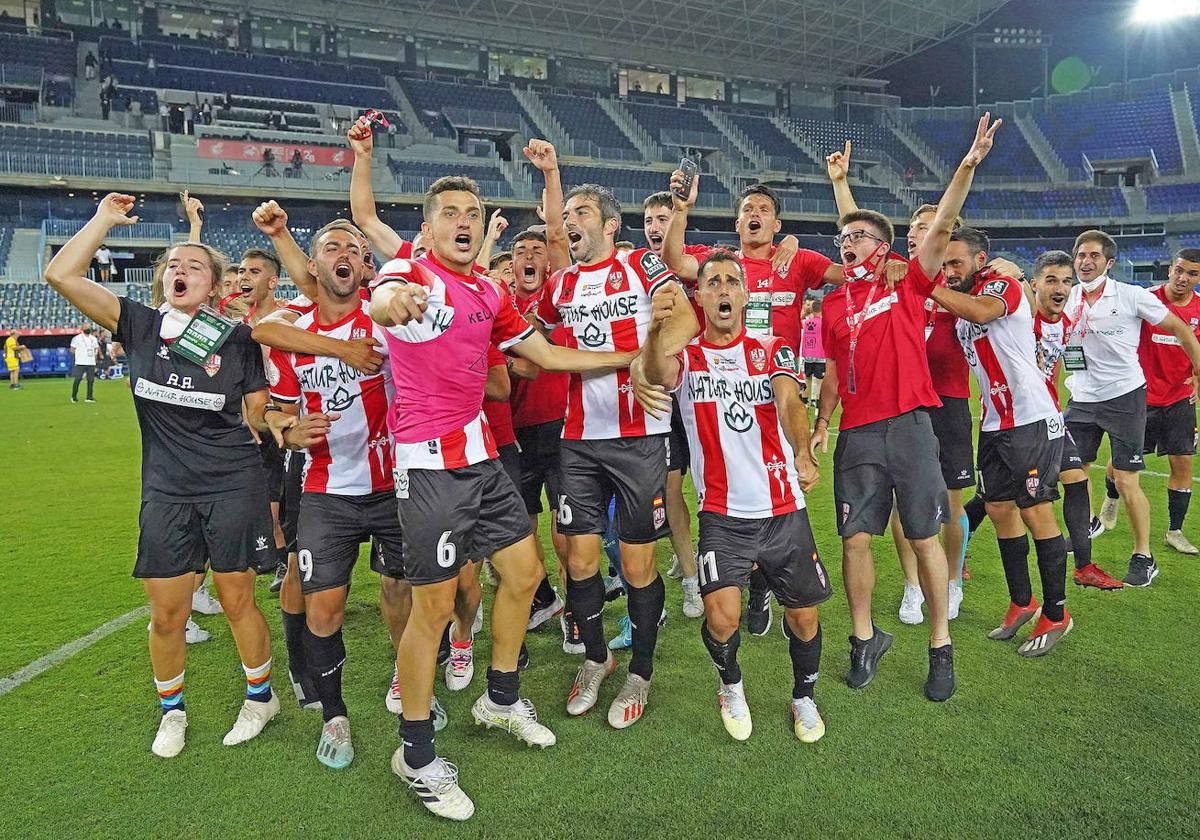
column 428, row 406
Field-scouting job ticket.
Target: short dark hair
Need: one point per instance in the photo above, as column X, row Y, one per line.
column 877, row 220
column 721, row 255
column 336, row 224
column 658, row 199
column 757, row 189
column 535, row 235
column 264, row 255
column 503, row 256
column 449, row 183
column 1191, row 255
column 1048, row 259
column 609, row 207
column 1107, row 243
column 976, row 240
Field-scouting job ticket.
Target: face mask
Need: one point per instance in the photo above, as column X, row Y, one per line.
column 1093, row 285
column 173, row 322
column 868, row 269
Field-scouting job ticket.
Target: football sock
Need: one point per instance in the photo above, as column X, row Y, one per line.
column 758, row 582
column 586, row 599
column 976, row 512
column 724, row 654
column 1177, row 505
column 545, row 594
column 293, row 640
column 1014, row 557
column 326, row 655
column 258, row 681
column 170, row 693
column 1110, row 488
column 1052, row 567
column 645, row 607
column 1078, row 517
column 502, row 687
column 417, row 738
column 806, row 662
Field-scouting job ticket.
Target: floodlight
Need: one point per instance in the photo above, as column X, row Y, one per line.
column 1159, row 11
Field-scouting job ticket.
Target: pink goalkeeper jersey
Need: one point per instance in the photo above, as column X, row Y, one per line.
column 440, row 364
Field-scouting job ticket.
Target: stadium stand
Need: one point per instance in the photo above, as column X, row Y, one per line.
column 57, row 151
column 1012, row 159
column 784, row 154
column 871, row 142
column 444, row 107
column 54, row 55
column 1081, row 202
column 1173, row 198
column 583, row 119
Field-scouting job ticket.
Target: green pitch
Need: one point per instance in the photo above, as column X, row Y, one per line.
column 1097, row 739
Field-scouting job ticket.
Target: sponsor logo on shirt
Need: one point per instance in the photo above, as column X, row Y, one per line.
column 653, row 266
column 174, row 396
column 878, row 307
column 1161, row 338
column 260, row 544
column 738, row 419
column 400, row 479
column 783, row 298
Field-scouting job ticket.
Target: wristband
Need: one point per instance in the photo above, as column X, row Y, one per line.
column 822, row 419
column 271, row 407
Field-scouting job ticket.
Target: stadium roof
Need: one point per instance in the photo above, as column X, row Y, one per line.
column 793, row 40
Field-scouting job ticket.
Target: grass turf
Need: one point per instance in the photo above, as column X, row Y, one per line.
column 1097, row 739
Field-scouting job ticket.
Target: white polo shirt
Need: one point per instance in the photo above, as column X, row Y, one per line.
column 1109, row 331
column 86, row 347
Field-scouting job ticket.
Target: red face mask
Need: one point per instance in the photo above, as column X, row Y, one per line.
column 869, row 269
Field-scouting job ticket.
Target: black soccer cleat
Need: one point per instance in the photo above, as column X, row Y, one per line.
column 865, row 656
column 444, row 648
column 1142, row 571
column 758, row 612
column 523, row 658
column 940, row 684
column 280, row 571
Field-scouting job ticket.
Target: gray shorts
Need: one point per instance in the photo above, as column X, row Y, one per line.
column 1122, row 418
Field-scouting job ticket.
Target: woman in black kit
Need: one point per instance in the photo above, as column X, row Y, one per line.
column 204, row 494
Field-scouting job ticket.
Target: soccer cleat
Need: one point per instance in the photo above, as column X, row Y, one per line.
column 540, row 615
column 440, row 719
column 335, row 749
column 277, row 581
column 613, row 588
column 676, row 570
column 1142, row 571
column 168, row 743
column 489, row 573
column 865, row 656
column 1095, row 528
column 758, row 612
column 1108, row 513
column 1046, row 634
column 570, row 630
column 392, row 699
column 461, row 667
column 194, row 634
column 520, row 719
column 910, row 604
column 630, row 703
column 624, row 638
column 204, row 603
column 806, row 721
column 586, row 687
column 735, row 712
column 1092, row 575
column 477, row 624
column 954, row 599
column 436, row 785
column 444, row 647
column 89, row 400
column 1177, row 541
column 940, row 684
column 1014, row 618
column 251, row 719
column 693, row 607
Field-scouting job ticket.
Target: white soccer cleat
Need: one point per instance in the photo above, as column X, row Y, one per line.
column 194, row 634
column 204, row 603
column 629, row 705
column 392, row 700
column 807, row 722
column 954, row 599
column 539, row 617
column 251, row 719
column 335, row 749
column 910, row 604
column 520, row 719
column 168, row 743
column 477, row 624
column 586, row 687
column 1108, row 513
column 735, row 711
column 676, row 570
column 693, row 606
column 461, row 667
column 436, row 785
column 1177, row 541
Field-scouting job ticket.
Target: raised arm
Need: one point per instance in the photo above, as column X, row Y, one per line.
column 680, row 323
column 362, row 194
column 685, row 266
column 496, row 227
column 270, row 218
column 66, row 273
column 194, row 209
column 838, row 167
column 542, row 155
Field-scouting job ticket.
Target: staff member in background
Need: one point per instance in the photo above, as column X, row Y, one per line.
column 104, row 260
column 12, row 359
column 204, row 496
column 86, row 348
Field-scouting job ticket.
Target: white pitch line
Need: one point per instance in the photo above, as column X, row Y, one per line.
column 68, row 650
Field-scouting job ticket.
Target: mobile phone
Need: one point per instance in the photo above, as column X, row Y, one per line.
column 689, row 169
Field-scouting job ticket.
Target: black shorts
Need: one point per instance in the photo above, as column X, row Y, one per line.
column 510, row 459
column 1070, row 454
column 896, row 457
column 293, row 489
column 782, row 546
column 956, row 452
column 539, row 464
column 177, row 538
column 678, row 451
column 452, row 516
column 1171, row 429
column 332, row 527
column 1021, row 464
column 1123, row 418
column 272, row 458
column 814, row 368
column 593, row 471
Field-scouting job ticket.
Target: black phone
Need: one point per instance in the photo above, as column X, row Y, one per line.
column 689, row 169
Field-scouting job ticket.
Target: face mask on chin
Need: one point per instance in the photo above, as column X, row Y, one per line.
column 869, row 269
column 173, row 322
column 1092, row 285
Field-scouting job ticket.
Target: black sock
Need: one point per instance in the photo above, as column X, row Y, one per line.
column 724, row 654
column 976, row 512
column 758, row 581
column 645, row 608
column 293, row 640
column 1014, row 556
column 806, row 662
column 586, row 599
column 1052, row 567
column 1110, row 487
column 326, row 655
column 417, row 737
column 503, row 686
column 1177, row 505
column 544, row 595
column 1078, row 517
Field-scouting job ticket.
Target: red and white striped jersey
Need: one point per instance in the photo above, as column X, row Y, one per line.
column 605, row 307
column 1003, row 356
column 355, row 458
column 742, row 464
column 1051, row 343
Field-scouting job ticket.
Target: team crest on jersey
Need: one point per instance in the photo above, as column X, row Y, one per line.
column 758, row 358
column 653, row 266
column 616, row 279
column 1032, row 482
column 660, row 512
column 212, row 364
column 357, row 333
column 820, row 570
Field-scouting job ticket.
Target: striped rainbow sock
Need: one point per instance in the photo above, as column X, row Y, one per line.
column 170, row 693
column 258, row 681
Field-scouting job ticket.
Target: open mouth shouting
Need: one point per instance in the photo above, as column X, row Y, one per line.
column 725, row 308
column 343, row 271
column 656, row 240
column 754, row 225
column 848, row 256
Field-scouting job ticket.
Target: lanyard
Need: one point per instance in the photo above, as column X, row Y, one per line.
column 1081, row 318
column 854, row 322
